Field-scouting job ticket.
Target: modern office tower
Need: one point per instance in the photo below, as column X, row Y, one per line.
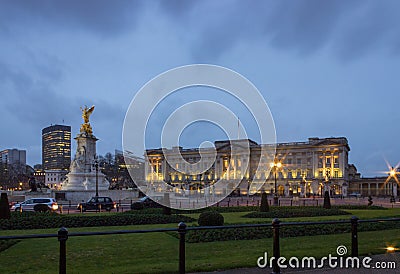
column 13, row 156
column 56, row 147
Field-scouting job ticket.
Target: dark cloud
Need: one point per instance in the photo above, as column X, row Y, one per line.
column 351, row 27
column 99, row 16
column 306, row 26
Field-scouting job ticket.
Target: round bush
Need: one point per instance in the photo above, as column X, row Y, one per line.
column 41, row 208
column 211, row 218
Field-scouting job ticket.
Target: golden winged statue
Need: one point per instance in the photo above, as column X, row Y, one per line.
column 85, row 127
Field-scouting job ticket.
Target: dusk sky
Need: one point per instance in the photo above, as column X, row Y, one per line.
column 325, row 68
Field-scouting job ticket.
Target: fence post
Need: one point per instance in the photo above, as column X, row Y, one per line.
column 276, row 249
column 62, row 238
column 354, row 238
column 182, row 233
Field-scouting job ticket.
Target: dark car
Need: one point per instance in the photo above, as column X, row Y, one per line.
column 97, row 203
column 145, row 202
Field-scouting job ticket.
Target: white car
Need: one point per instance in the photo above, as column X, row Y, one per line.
column 355, row 194
column 29, row 204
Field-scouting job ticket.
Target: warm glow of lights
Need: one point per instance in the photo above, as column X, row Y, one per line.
column 391, row 249
column 278, row 164
column 392, row 173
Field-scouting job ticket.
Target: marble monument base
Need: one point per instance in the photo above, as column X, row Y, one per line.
column 85, row 181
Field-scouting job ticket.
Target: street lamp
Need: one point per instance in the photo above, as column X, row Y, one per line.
column 96, row 166
column 275, row 166
column 393, row 174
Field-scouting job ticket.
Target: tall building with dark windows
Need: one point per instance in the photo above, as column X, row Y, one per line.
column 13, row 156
column 56, row 147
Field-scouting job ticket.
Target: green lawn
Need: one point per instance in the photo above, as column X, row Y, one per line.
column 158, row 252
column 237, row 217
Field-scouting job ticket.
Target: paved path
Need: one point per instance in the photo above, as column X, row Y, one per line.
column 392, row 257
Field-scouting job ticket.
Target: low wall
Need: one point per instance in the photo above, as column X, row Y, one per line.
column 73, row 196
column 84, row 195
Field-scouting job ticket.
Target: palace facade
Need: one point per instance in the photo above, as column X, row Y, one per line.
column 305, row 168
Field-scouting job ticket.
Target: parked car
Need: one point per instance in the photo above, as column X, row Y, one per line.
column 98, row 202
column 29, row 204
column 355, row 194
column 145, row 202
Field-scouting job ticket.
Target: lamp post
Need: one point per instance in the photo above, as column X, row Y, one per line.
column 96, row 166
column 392, row 174
column 275, row 166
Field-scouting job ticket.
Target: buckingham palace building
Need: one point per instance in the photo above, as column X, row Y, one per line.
column 289, row 169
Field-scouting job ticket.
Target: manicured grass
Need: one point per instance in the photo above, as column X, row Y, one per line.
column 158, row 252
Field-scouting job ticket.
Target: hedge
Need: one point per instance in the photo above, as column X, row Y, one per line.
column 253, row 233
column 290, row 212
column 359, row 207
column 41, row 221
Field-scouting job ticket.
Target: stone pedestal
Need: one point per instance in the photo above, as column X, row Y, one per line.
column 82, row 175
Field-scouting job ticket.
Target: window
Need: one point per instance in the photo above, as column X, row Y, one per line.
column 290, row 175
column 336, row 174
column 289, row 161
column 328, row 161
column 336, row 161
column 299, row 161
column 320, row 174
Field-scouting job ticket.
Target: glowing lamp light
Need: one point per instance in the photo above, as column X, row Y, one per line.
column 391, row 249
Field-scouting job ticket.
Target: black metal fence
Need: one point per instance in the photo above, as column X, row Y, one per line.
column 182, row 229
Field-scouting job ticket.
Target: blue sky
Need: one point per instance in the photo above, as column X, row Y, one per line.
column 325, row 68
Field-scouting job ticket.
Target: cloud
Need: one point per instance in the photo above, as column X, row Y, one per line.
column 98, row 16
column 351, row 29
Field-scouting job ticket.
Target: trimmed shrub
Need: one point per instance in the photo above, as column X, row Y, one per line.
column 221, row 209
column 211, row 218
column 4, row 207
column 48, row 220
column 375, row 207
column 41, row 208
column 264, row 207
column 327, row 200
column 290, row 212
column 253, row 233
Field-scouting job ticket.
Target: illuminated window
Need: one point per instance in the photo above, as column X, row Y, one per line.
column 328, row 161
column 336, row 174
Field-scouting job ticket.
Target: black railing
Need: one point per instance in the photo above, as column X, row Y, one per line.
column 182, row 229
